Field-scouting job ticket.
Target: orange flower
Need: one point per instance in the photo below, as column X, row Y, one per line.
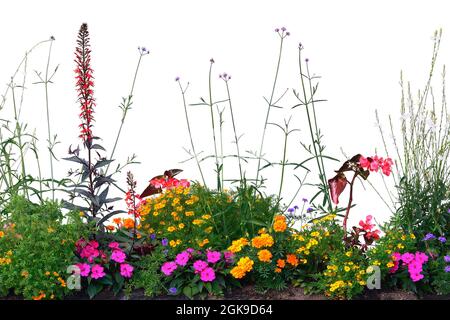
column 110, row 228
column 117, row 221
column 292, row 260
column 281, row 263
column 2, row 234
column 128, row 223
column 264, row 240
column 277, row 270
column 40, row 296
column 279, row 224
column 264, row 255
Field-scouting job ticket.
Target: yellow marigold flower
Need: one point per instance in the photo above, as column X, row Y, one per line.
column 376, row 262
column 303, row 261
column 181, row 226
column 81, row 214
column 209, row 229
column 388, row 251
column 281, row 263
column 171, row 229
column 203, row 242
column 412, row 236
column 279, row 224
column 47, row 273
column 362, row 272
column 327, row 234
column 306, row 252
column 264, row 240
column 390, row 264
column 175, row 201
column 315, row 234
column 262, row 230
column 162, row 223
column 292, row 260
column 9, row 253
column 277, row 270
column 198, row 221
column 348, row 254
column 179, row 208
column 206, row 216
column 155, row 213
column 189, row 213
column 236, row 245
column 246, row 264
column 24, row 274
column 346, row 268
column 189, row 202
column 400, row 246
column 403, row 237
column 264, row 255
column 362, row 283
column 172, row 243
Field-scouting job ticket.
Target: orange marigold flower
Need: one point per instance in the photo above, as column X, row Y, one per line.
column 279, row 224
column 128, row 223
column 264, row 255
column 117, row 221
column 110, row 227
column 264, row 240
column 277, row 270
column 281, row 263
column 292, row 260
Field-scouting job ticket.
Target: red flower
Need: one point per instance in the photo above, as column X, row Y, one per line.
column 84, row 83
column 375, row 163
column 337, row 185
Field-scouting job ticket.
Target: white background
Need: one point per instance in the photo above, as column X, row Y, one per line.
column 358, row 47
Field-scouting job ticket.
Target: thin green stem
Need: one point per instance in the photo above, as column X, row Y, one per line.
column 49, row 136
column 236, row 140
column 213, row 125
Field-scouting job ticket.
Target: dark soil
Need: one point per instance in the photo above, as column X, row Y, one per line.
column 249, row 293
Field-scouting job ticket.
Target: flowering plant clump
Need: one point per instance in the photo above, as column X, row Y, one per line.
column 268, row 259
column 197, row 272
column 102, row 266
column 175, row 216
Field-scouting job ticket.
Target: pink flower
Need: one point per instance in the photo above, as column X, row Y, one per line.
column 207, row 275
column 184, row 183
column 168, row 268
column 118, row 256
column 229, row 256
column 84, row 269
column 213, row 256
column 89, row 252
column 421, row 257
column 414, row 267
column 190, row 250
column 407, row 257
column 416, row 276
column 182, row 258
column 394, row 268
column 97, row 272
column 364, row 162
column 397, row 256
column 93, row 244
column 367, row 226
column 114, row 245
column 386, row 167
column 126, row 270
column 199, row 266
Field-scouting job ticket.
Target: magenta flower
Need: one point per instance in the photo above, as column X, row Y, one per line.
column 114, row 245
column 407, row 257
column 182, row 258
column 168, row 268
column 84, row 269
column 213, row 256
column 89, row 252
column 229, row 256
column 97, row 272
column 118, row 256
column 207, row 275
column 126, row 270
column 421, row 257
column 199, row 266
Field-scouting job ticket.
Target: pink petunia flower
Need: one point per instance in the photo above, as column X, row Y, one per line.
column 421, row 257
column 84, row 269
column 408, row 257
column 182, row 258
column 114, row 245
column 213, row 256
column 207, row 275
column 97, row 272
column 118, row 256
column 199, row 266
column 126, row 270
column 168, row 268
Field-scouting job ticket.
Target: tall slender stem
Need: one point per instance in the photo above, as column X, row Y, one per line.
column 49, row 136
column 268, row 112
column 283, row 163
column 213, row 125
column 236, row 140
column 350, row 200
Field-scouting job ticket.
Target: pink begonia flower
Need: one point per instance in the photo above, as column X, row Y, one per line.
column 97, row 272
column 199, row 266
column 114, row 245
column 421, row 257
column 118, row 256
column 364, row 162
column 213, row 256
column 89, row 252
column 182, row 258
column 168, row 268
column 84, row 269
column 93, row 244
column 126, row 270
column 207, row 275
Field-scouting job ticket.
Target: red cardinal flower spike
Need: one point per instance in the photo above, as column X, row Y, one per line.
column 84, row 83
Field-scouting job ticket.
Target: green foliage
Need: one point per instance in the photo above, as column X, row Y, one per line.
column 39, row 243
column 147, row 274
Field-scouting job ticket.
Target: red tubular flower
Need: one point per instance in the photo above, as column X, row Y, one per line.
column 84, row 83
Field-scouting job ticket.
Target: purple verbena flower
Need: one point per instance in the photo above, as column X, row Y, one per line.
column 296, row 207
column 447, row 259
column 305, row 200
column 442, row 239
column 309, row 210
column 173, row 290
column 165, row 242
column 429, row 236
column 177, row 79
column 290, row 210
column 447, row 269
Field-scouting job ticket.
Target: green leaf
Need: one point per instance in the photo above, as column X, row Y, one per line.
column 94, row 289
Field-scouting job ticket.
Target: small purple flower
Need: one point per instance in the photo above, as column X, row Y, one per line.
column 307, row 60
column 173, row 290
column 153, row 236
column 283, row 29
column 447, row 269
column 305, row 200
column 447, row 259
column 442, row 239
column 165, row 242
column 290, row 210
column 277, row 30
column 300, row 46
column 177, row 79
column 429, row 236
column 309, row 210
column 296, row 207
column 143, row 50
column 288, row 33
column 448, row 211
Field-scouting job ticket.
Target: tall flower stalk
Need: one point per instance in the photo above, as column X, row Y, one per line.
column 85, row 84
column 270, row 103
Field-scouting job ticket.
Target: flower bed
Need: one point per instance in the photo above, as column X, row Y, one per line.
column 181, row 238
